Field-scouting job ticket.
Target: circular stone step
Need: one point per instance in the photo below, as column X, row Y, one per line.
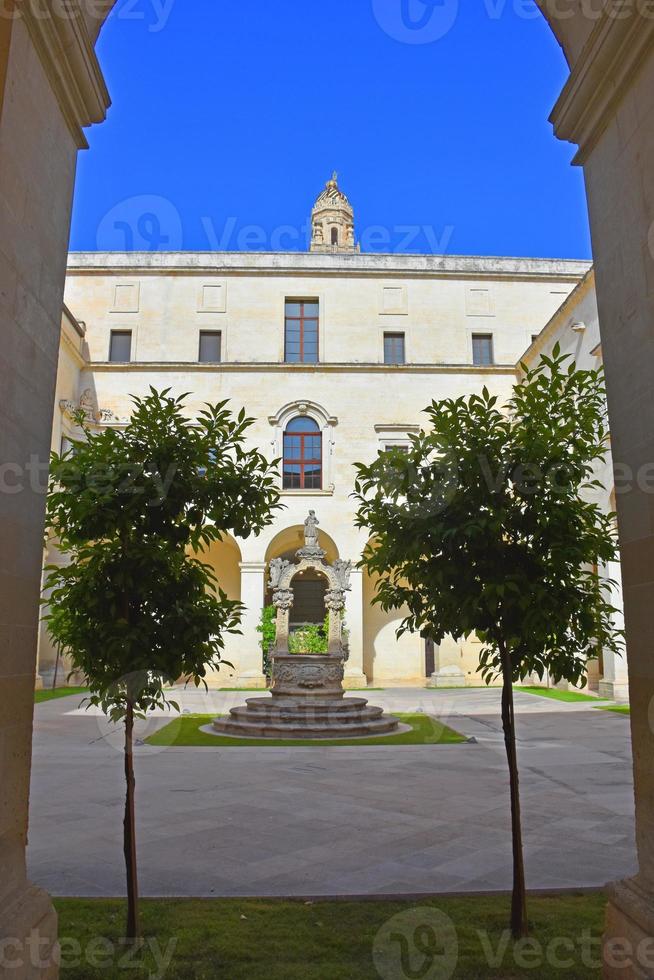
column 385, row 725
column 344, row 704
column 285, row 716
column 274, row 707
column 308, row 702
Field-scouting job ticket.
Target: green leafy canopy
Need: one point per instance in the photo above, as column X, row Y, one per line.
column 132, row 510
column 488, row 524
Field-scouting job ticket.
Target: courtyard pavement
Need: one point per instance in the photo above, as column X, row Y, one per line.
column 335, row 821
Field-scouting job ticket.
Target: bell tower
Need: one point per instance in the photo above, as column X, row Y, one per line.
column 332, row 221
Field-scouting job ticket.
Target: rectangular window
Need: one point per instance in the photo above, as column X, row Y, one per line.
column 301, row 331
column 302, row 455
column 210, row 346
column 482, row 349
column 120, row 346
column 394, row 348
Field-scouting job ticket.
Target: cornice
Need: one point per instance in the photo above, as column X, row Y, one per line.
column 602, row 74
column 231, row 367
column 316, row 264
column 66, row 52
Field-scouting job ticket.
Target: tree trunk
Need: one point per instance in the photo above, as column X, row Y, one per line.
column 129, row 836
column 519, row 925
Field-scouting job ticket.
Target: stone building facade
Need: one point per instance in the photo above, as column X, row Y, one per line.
column 575, row 328
column 335, row 354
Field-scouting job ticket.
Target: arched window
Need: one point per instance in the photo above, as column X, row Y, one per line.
column 302, row 455
column 334, row 236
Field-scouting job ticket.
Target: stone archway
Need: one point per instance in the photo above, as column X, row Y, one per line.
column 51, row 87
column 310, row 558
column 287, row 541
column 310, row 585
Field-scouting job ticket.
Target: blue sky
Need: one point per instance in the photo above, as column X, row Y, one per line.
column 228, row 117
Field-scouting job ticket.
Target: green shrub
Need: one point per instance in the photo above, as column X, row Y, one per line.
column 312, row 638
column 268, row 629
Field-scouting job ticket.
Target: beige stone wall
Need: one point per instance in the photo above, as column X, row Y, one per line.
column 575, row 327
column 360, row 403
column 73, row 357
column 438, row 304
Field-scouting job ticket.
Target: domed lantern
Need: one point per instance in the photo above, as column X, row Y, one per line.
column 332, row 221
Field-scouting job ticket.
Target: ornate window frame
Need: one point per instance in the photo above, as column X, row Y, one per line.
column 327, row 424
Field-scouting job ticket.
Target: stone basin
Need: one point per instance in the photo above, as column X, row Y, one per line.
column 307, row 675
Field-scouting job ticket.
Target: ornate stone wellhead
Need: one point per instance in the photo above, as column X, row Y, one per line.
column 310, row 557
column 308, row 699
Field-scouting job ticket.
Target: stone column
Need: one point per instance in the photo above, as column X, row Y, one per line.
column 247, row 654
column 50, row 86
column 283, row 600
column 615, row 681
column 354, row 675
column 607, row 108
column 335, row 630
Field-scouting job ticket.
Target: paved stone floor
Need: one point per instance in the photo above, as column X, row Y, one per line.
column 336, row 821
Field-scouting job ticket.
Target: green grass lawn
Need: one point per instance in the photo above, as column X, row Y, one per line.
column 556, row 695
column 185, row 731
column 618, row 709
column 250, row 939
column 59, row 692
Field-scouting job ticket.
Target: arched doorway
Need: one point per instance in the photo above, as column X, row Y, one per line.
column 287, row 541
column 309, row 588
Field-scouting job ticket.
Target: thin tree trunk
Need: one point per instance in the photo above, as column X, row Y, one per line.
column 56, row 670
column 129, row 837
column 519, row 925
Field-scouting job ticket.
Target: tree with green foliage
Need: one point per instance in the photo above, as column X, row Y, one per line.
column 488, row 525
column 132, row 509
